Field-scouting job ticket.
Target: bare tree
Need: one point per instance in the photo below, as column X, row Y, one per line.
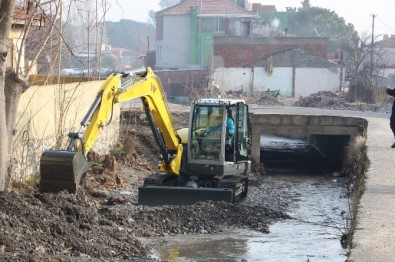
column 365, row 73
column 48, row 38
column 6, row 12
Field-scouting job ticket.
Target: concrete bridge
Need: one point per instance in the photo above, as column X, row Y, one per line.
column 374, row 235
column 328, row 130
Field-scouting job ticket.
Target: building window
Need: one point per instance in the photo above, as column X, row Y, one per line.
column 159, row 28
column 245, row 29
column 213, row 24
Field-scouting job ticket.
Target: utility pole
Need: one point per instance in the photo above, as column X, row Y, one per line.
column 371, row 50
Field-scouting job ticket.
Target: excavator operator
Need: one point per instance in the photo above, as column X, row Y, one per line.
column 230, row 125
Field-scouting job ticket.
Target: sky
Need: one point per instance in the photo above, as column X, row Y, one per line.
column 136, row 10
column 359, row 13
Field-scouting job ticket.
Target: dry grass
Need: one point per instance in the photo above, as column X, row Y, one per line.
column 356, row 164
column 356, row 161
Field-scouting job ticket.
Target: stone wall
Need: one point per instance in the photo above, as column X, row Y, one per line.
column 48, row 112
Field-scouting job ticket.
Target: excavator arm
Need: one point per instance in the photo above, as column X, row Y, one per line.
column 149, row 89
column 62, row 169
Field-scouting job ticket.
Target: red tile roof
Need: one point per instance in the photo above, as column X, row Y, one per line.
column 387, row 42
column 207, row 8
column 263, row 8
column 21, row 15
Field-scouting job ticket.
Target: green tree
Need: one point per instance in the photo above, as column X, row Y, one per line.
column 130, row 34
column 163, row 4
column 321, row 22
column 168, row 3
column 357, row 50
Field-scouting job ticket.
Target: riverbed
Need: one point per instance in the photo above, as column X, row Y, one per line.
column 319, row 207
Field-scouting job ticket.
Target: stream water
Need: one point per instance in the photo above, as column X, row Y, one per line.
column 314, row 234
column 318, row 204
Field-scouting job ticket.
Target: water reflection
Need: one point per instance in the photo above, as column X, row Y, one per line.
column 230, row 246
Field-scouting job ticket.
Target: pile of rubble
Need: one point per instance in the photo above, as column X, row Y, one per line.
column 323, row 99
column 336, row 101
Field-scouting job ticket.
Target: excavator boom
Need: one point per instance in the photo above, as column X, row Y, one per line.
column 62, row 169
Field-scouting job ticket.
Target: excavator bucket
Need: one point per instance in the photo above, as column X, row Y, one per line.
column 61, row 170
column 164, row 195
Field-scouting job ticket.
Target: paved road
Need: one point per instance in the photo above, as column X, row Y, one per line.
column 374, row 237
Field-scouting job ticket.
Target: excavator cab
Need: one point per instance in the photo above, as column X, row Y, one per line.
column 215, row 162
column 218, row 132
column 219, row 137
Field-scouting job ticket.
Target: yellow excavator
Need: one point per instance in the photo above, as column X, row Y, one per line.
column 203, row 162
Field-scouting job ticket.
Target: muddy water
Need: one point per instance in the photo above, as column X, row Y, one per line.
column 316, row 203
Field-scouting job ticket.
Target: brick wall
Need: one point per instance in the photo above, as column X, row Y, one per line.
column 242, row 51
column 181, row 83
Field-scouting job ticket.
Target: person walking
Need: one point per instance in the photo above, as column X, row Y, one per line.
column 391, row 92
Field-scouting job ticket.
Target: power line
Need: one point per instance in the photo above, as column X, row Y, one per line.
column 385, row 25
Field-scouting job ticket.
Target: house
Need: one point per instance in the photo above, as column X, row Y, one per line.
column 238, row 52
column 269, row 14
column 21, row 16
column 293, row 66
column 296, row 73
column 385, row 50
column 184, row 32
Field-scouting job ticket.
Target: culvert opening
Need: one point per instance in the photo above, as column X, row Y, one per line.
column 308, row 154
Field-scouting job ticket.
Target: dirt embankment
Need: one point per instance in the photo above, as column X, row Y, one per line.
column 102, row 222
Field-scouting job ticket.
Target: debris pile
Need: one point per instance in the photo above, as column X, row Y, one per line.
column 103, row 222
column 323, row 99
column 268, row 97
column 336, row 101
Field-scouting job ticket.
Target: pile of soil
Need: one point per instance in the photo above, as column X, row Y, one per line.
column 103, row 222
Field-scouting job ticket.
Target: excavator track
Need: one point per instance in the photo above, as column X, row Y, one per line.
column 164, row 195
column 160, row 189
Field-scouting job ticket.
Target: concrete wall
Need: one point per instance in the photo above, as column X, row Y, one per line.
column 312, row 80
column 173, row 50
column 289, row 122
column 233, row 79
column 38, row 123
column 305, row 82
column 280, row 79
